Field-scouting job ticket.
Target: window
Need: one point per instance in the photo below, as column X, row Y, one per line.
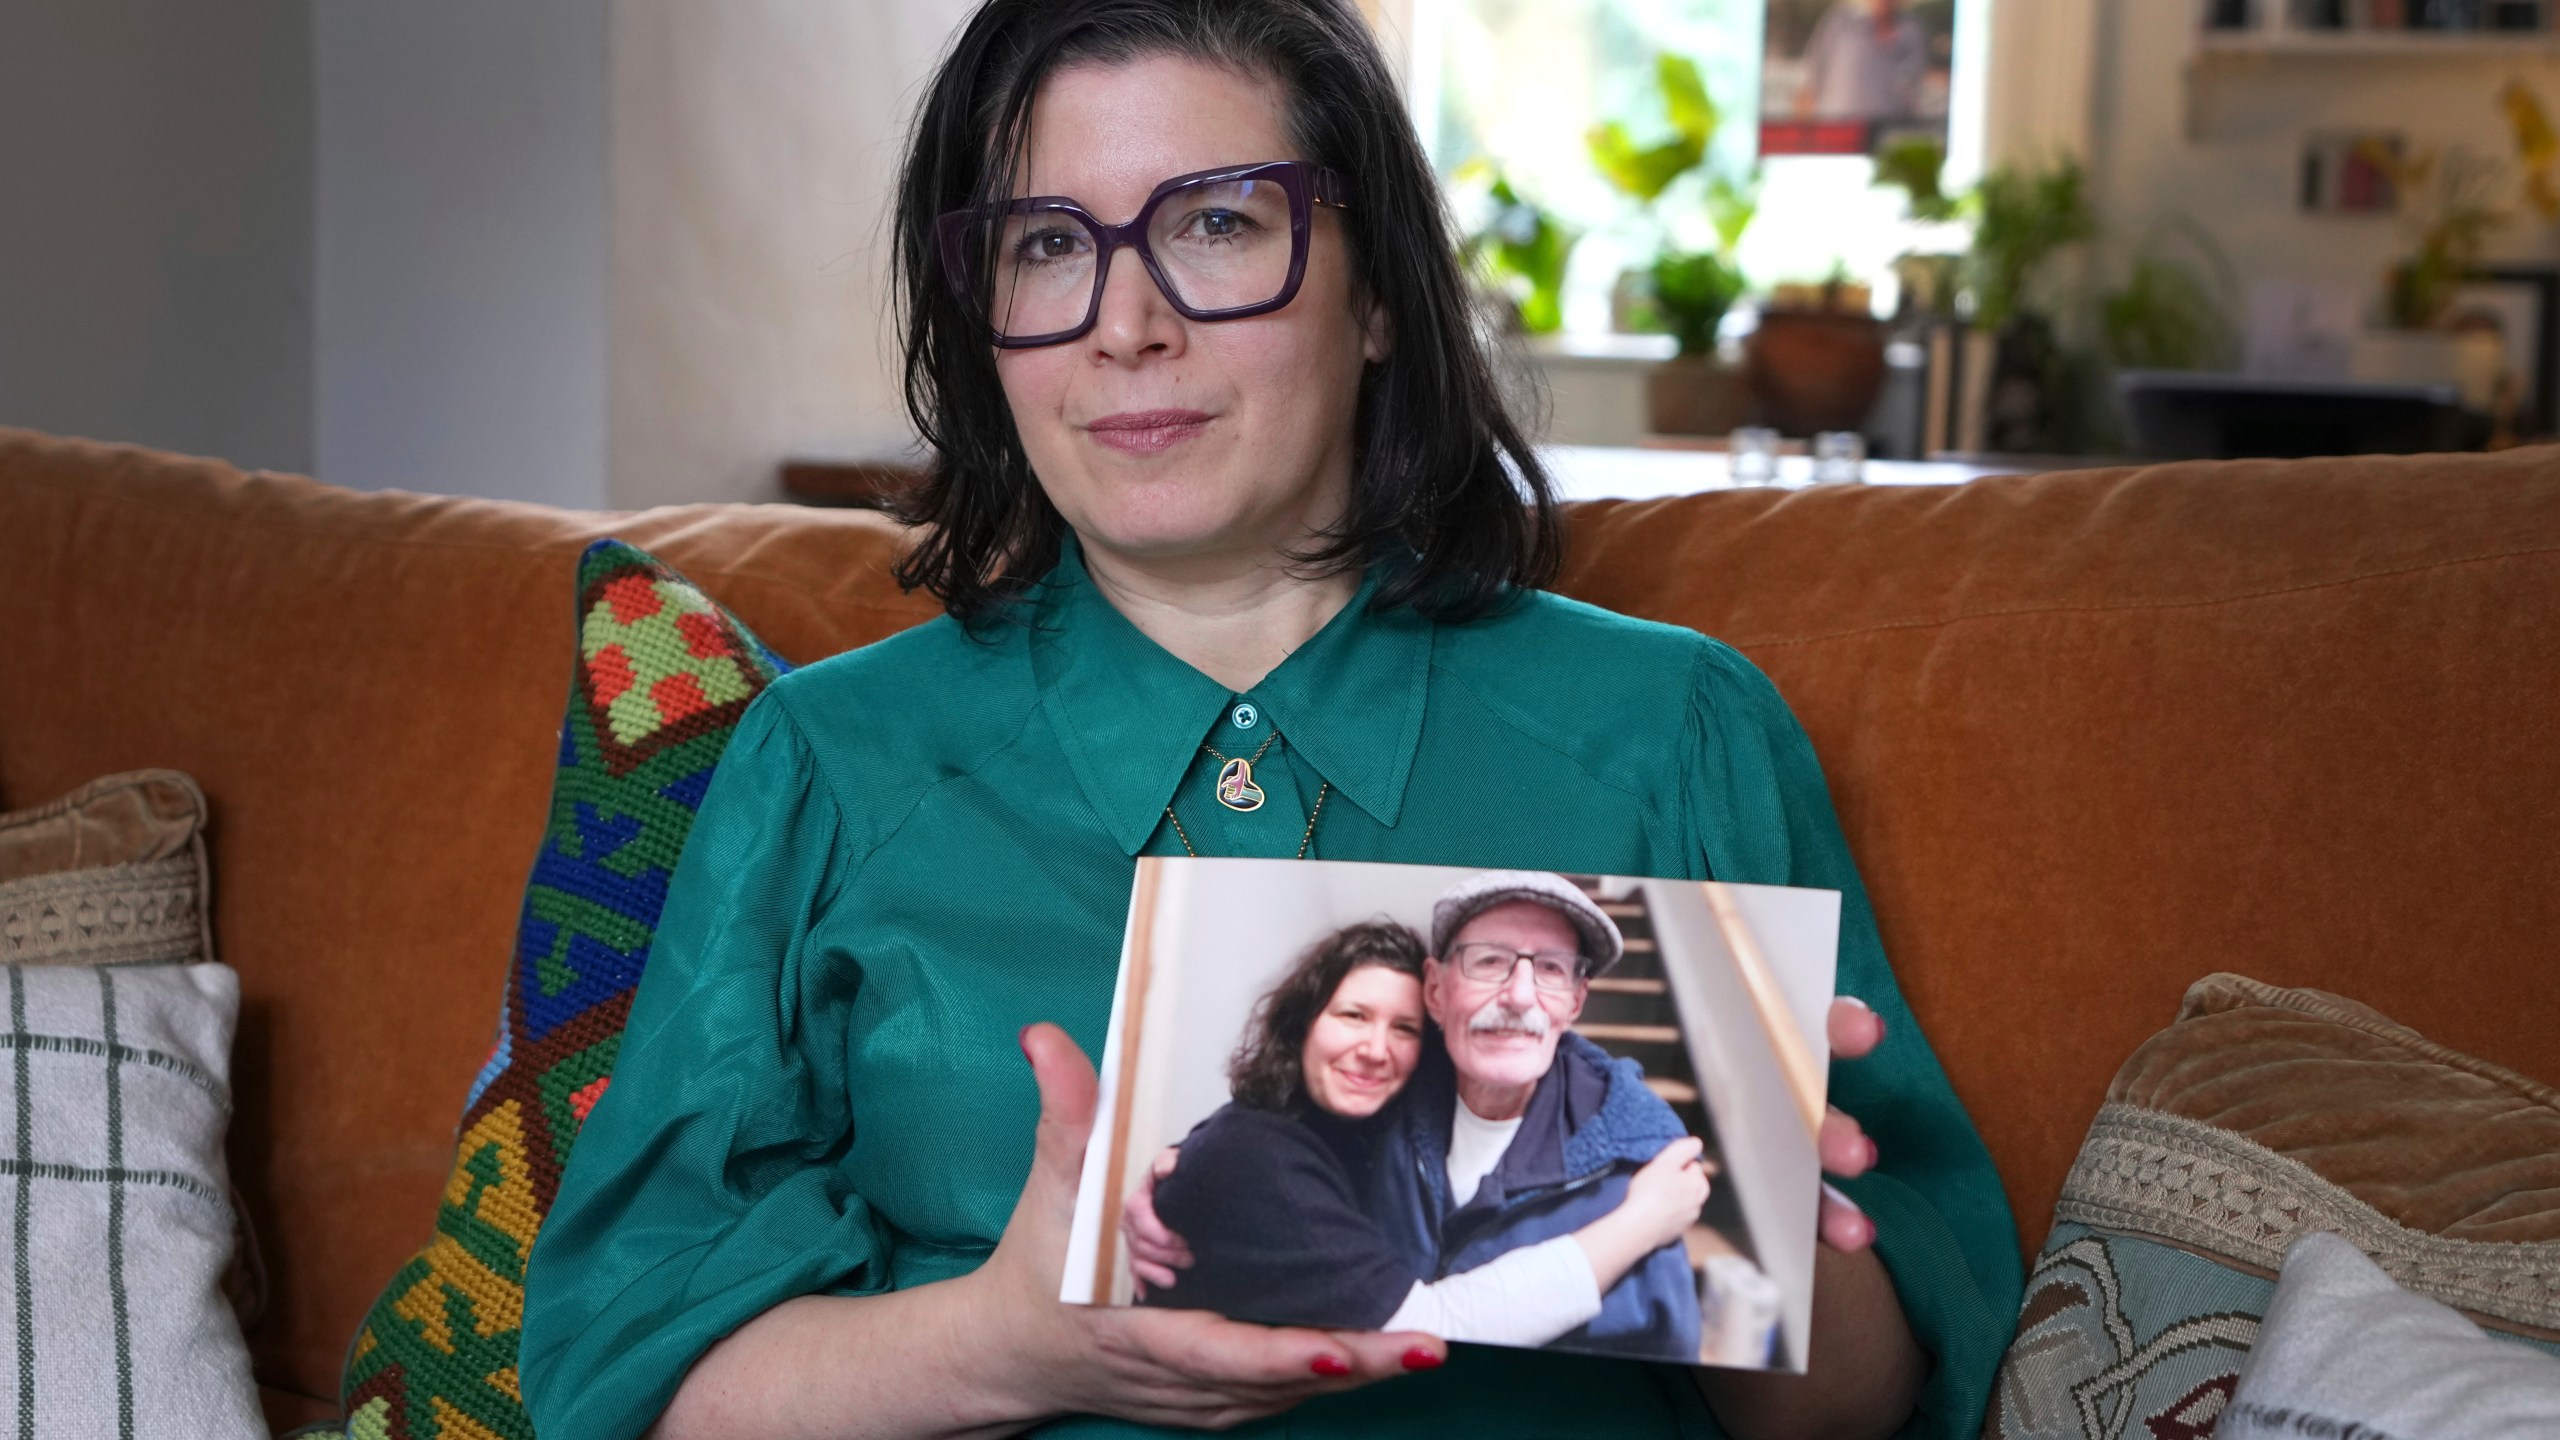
column 1518, row 83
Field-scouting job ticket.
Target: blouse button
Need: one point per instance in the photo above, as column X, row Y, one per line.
column 1244, row 716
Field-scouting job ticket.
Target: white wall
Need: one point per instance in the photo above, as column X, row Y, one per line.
column 755, row 146
column 462, row 241
column 155, row 244
column 2236, row 174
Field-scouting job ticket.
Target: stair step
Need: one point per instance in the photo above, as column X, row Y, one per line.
column 1621, row 909
column 1619, row 985
column 1631, row 1034
column 1673, row 1092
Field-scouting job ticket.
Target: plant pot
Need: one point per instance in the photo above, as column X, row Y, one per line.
column 1696, row 395
column 2470, row 361
column 2403, row 357
column 1814, row 370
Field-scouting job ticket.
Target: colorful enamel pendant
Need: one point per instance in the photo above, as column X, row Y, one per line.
column 1236, row 789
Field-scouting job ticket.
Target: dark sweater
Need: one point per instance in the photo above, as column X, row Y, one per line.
column 1266, row 1202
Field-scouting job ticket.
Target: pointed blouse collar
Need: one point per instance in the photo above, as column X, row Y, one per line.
column 1132, row 717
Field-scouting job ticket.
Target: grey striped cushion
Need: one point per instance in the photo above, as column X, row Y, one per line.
column 114, row 1093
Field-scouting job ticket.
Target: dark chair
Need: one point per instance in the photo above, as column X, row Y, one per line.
column 2186, row 415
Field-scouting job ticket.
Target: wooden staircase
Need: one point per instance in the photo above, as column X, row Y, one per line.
column 1630, row 1013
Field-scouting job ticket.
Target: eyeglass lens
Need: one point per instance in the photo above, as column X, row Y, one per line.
column 1219, row 245
column 1487, row 963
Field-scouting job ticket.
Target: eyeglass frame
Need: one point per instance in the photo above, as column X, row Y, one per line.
column 1305, row 183
column 1581, row 966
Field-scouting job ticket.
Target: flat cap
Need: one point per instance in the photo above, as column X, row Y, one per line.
column 1464, row 901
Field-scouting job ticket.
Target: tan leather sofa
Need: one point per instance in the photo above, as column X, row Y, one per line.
column 2093, row 735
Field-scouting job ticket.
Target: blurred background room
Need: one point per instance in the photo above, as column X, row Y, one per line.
column 622, row 253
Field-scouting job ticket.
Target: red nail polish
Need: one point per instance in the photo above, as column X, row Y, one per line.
column 1872, row 1153
column 1418, row 1358
column 1329, row 1365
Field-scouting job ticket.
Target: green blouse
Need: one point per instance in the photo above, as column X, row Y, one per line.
column 914, row 849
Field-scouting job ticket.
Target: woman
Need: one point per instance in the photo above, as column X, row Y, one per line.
column 1267, row 1189
column 1175, row 535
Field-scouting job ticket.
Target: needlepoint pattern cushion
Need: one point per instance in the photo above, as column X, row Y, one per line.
column 662, row 676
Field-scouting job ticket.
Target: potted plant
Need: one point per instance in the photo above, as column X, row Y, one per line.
column 1685, row 291
column 1519, row 253
column 1817, row 358
column 2037, row 399
column 2456, row 212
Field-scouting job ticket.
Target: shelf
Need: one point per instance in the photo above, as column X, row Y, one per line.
column 2228, row 57
column 2250, row 45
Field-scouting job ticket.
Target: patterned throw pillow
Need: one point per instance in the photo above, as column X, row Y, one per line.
column 2260, row 1116
column 663, row 674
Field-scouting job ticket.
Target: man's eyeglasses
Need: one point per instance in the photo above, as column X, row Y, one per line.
column 1487, row 963
column 1221, row 244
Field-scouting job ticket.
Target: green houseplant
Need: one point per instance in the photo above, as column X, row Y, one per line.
column 1520, row 252
column 1684, row 291
column 2042, row 392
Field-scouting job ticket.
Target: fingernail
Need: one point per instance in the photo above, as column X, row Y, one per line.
column 1022, row 1037
column 1330, row 1365
column 1861, row 1004
column 1871, row 1150
column 1418, row 1358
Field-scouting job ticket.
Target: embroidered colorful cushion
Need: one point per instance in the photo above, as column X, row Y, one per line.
column 663, row 674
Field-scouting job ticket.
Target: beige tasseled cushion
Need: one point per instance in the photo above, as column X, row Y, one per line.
column 111, row 874
column 2437, row 1140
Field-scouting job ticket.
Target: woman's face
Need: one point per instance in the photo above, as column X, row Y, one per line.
column 1364, row 1042
column 1162, row 439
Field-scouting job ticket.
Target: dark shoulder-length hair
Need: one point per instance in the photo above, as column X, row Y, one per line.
column 1266, row 1072
column 1443, row 478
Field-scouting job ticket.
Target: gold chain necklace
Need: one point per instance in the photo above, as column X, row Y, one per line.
column 1237, row 792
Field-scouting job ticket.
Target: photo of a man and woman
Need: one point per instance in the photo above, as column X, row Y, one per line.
column 1852, row 77
column 1507, row 1107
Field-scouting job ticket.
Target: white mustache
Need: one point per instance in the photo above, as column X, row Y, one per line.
column 1496, row 1015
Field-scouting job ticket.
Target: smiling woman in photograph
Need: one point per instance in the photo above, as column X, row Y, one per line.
column 1242, row 555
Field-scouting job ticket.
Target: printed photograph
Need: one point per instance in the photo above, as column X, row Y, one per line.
column 1508, row 1107
column 1851, row 77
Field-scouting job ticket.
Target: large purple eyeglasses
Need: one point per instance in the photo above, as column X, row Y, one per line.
column 1221, row 244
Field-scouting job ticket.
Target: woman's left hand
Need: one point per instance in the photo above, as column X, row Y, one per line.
column 1846, row 1150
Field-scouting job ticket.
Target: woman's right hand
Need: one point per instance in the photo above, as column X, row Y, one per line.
column 1663, row 1200
column 1155, row 1366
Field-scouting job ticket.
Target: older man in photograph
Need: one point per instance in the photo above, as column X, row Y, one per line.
column 1517, row 1130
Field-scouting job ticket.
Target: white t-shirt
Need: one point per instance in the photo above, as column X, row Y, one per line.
column 1475, row 1147
column 1528, row 1296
